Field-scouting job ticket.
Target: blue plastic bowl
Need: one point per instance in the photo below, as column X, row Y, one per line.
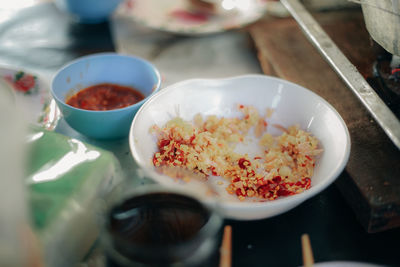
column 88, row 11
column 103, row 68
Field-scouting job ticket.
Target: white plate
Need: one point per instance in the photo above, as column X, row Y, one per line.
column 32, row 97
column 292, row 104
column 174, row 15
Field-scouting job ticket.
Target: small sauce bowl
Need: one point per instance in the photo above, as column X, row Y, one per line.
column 112, row 68
column 88, row 11
column 158, row 225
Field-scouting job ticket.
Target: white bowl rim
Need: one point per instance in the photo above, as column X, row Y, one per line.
column 288, row 200
column 102, row 54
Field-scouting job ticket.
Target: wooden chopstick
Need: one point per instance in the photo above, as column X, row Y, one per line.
column 308, row 258
column 225, row 251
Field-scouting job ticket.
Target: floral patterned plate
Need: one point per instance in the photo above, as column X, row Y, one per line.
column 32, row 96
column 179, row 16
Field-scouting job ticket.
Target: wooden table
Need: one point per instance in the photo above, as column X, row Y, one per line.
column 371, row 181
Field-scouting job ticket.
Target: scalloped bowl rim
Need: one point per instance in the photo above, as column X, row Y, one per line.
column 286, row 203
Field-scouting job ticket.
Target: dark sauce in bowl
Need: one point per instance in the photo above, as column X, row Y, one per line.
column 105, row 96
column 157, row 229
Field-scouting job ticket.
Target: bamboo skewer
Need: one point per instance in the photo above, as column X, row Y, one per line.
column 226, row 248
column 308, row 258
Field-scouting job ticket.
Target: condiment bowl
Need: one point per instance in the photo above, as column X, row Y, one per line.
column 100, row 68
column 290, row 104
column 88, row 11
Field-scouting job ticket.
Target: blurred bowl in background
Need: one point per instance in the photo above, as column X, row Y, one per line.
column 88, row 11
column 111, row 68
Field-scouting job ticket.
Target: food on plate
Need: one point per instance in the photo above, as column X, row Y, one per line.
column 202, row 6
column 105, row 96
column 208, row 146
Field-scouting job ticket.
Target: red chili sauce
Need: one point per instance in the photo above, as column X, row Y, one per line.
column 105, row 96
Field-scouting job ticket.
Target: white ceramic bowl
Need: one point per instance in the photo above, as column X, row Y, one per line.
column 292, row 104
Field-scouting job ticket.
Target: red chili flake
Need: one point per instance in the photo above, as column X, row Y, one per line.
column 307, row 182
column 251, row 173
column 257, row 158
column 241, row 163
column 247, row 117
column 270, row 195
column 239, row 192
column 284, row 192
column 154, row 160
column 192, row 138
column 265, row 123
column 213, row 171
column 237, row 179
column 262, row 189
column 304, row 183
column 272, row 186
column 269, row 189
column 277, row 179
column 308, row 157
column 164, row 142
column 261, row 182
column 241, row 106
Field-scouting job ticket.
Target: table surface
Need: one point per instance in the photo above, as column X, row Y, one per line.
column 334, row 231
column 373, row 190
